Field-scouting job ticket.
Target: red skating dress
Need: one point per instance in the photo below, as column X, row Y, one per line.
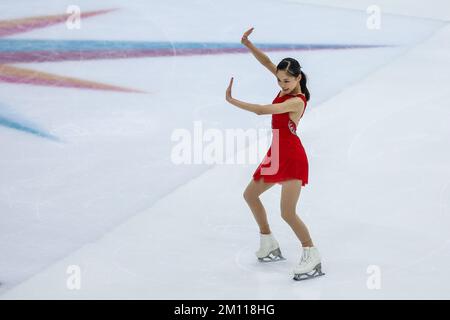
column 286, row 158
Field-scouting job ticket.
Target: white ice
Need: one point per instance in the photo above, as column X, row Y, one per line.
column 110, row 200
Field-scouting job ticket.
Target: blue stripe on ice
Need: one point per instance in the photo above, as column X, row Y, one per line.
column 16, row 45
column 5, row 122
column 14, row 124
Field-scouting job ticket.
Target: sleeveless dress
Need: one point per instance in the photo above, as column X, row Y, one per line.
column 286, row 158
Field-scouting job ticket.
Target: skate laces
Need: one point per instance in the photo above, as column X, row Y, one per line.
column 305, row 256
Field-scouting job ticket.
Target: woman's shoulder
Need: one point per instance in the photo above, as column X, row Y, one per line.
column 279, row 98
column 301, row 96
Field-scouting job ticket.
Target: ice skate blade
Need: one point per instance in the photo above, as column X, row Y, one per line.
column 316, row 272
column 273, row 256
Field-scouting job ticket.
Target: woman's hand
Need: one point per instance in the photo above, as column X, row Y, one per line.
column 241, row 104
column 228, row 93
column 244, row 39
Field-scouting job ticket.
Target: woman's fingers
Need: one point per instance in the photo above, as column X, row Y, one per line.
column 247, row 33
column 231, row 83
column 228, row 95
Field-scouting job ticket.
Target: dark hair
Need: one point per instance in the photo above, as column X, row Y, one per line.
column 292, row 66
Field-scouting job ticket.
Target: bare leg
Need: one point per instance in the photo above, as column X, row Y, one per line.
column 290, row 192
column 251, row 196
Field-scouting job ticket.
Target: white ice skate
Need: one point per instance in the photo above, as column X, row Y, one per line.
column 269, row 250
column 310, row 265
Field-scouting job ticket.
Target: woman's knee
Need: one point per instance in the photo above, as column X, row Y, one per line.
column 249, row 195
column 288, row 215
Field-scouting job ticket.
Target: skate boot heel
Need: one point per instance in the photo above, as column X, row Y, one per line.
column 269, row 250
column 277, row 254
column 316, row 272
column 274, row 255
column 318, row 269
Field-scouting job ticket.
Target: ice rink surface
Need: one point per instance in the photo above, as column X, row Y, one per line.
column 88, row 182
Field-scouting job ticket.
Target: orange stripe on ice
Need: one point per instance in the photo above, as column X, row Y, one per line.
column 15, row 26
column 21, row 75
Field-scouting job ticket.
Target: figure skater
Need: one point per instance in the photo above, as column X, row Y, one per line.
column 285, row 163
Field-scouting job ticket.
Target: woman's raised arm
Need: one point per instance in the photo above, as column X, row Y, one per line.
column 259, row 55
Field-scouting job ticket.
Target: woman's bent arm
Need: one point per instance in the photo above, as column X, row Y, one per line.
column 259, row 55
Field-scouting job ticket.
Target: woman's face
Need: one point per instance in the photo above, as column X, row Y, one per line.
column 286, row 81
